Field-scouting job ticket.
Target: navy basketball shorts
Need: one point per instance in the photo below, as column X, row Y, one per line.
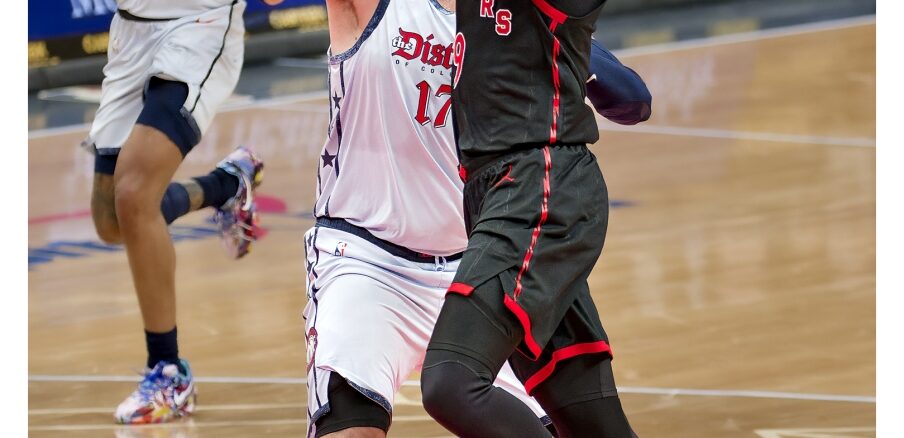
column 204, row 51
column 537, row 221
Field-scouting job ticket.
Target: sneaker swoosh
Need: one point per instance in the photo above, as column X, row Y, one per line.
column 180, row 397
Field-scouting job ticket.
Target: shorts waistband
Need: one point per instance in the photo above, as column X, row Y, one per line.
column 396, row 250
column 469, row 172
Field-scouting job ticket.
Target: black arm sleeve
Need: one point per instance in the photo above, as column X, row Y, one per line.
column 617, row 92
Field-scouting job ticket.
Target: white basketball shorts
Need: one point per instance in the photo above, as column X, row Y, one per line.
column 369, row 318
column 204, row 51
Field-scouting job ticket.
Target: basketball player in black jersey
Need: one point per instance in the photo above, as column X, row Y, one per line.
column 536, row 210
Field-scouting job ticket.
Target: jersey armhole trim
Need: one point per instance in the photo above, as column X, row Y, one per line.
column 369, row 29
column 439, row 8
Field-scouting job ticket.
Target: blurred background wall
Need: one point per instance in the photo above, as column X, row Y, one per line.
column 67, row 39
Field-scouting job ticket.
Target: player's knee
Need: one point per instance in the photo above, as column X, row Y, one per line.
column 439, row 395
column 132, row 203
column 448, row 388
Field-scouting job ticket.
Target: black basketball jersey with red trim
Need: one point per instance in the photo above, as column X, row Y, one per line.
column 521, row 69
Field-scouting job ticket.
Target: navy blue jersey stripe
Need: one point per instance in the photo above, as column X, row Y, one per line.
column 339, row 118
column 314, row 323
column 369, row 29
column 215, row 59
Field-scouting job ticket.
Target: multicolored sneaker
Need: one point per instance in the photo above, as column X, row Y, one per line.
column 237, row 218
column 164, row 394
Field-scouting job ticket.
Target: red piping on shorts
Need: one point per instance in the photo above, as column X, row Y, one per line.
column 554, row 127
column 562, row 354
column 460, row 288
column 510, row 302
column 544, row 214
column 524, row 319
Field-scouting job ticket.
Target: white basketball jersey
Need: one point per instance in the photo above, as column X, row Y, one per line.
column 169, row 8
column 389, row 163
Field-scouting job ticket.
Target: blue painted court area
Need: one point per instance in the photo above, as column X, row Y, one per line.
column 70, row 249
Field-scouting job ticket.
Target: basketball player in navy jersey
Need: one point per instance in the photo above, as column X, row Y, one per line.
column 389, row 232
column 170, row 64
column 536, row 211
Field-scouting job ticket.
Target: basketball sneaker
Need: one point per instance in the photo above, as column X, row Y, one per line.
column 164, row 394
column 237, row 218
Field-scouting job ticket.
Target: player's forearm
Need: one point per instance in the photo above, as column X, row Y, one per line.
column 617, row 92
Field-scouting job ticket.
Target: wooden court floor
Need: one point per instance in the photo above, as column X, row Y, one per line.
column 737, row 282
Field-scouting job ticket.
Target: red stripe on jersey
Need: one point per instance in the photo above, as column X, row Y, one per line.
column 550, row 11
column 559, row 355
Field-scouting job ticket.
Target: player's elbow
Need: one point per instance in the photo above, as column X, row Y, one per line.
column 623, row 102
column 640, row 112
column 628, row 113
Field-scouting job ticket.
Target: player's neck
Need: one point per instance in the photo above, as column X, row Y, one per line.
column 448, row 5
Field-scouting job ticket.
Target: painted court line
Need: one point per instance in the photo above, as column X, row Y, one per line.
column 135, row 378
column 199, row 408
column 823, row 432
column 679, row 131
column 746, row 394
column 672, row 392
column 196, row 424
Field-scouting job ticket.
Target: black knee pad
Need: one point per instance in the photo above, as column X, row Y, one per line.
column 349, row 408
column 163, row 110
column 458, row 392
column 450, row 380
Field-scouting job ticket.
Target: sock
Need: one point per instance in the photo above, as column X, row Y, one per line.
column 175, row 202
column 218, row 187
column 162, row 347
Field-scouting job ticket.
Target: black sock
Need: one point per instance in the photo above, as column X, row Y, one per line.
column 175, row 202
column 162, row 347
column 218, row 187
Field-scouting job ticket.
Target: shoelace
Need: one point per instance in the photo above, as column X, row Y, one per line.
column 152, row 382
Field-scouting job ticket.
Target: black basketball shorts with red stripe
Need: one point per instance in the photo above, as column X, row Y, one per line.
column 537, row 222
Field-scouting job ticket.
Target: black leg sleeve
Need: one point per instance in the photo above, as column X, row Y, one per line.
column 582, row 401
column 465, row 354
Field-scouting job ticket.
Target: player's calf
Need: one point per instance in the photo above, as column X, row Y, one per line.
column 103, row 209
column 458, row 390
column 581, row 399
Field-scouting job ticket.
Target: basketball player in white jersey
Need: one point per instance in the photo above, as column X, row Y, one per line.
column 389, row 231
column 170, row 64
column 389, row 223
